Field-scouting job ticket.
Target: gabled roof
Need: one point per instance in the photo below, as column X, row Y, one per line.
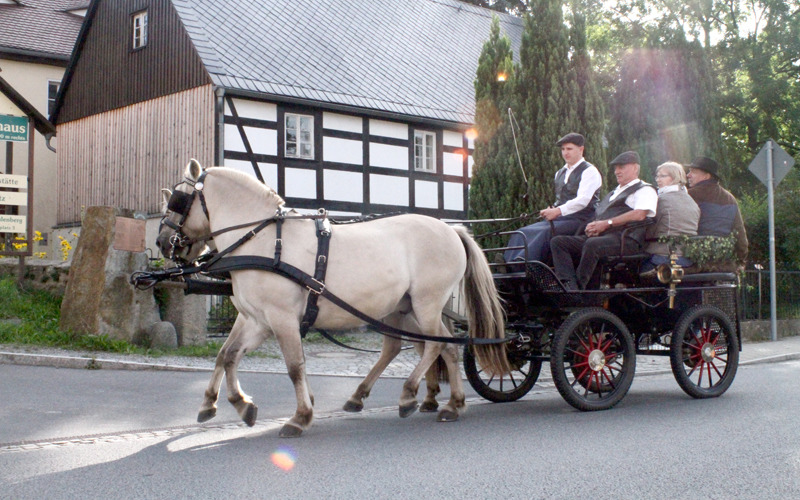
column 40, row 28
column 41, row 123
column 409, row 57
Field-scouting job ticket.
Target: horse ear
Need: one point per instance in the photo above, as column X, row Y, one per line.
column 193, row 169
column 165, row 195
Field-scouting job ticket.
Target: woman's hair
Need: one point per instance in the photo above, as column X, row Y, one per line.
column 674, row 170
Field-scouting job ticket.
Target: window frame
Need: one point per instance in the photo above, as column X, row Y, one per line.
column 51, row 101
column 299, row 142
column 139, row 30
column 427, row 162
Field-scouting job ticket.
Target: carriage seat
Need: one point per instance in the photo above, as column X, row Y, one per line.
column 622, row 262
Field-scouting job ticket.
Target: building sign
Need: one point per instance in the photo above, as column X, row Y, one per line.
column 13, row 223
column 13, row 128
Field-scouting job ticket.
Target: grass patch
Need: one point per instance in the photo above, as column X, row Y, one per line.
column 31, row 317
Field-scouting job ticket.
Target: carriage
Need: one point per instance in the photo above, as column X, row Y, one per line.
column 591, row 338
column 398, row 274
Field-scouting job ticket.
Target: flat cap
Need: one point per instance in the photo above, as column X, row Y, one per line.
column 625, row 158
column 706, row 164
column 572, row 138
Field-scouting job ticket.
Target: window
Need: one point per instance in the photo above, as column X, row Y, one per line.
column 299, row 136
column 139, row 29
column 52, row 93
column 424, row 151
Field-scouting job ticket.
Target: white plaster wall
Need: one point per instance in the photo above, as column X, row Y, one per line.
column 262, row 140
column 342, row 150
column 246, row 108
column 453, row 196
column 269, row 171
column 301, row 183
column 388, row 190
column 450, row 138
column 233, row 141
column 388, row 156
column 426, row 194
column 345, row 123
column 452, row 163
column 388, row 129
column 470, row 163
column 343, row 186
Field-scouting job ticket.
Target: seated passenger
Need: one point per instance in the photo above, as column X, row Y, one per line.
column 633, row 200
column 677, row 215
column 577, row 188
column 719, row 210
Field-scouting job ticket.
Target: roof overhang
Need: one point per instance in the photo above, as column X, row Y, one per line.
column 42, row 124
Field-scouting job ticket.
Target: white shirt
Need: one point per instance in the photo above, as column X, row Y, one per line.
column 641, row 199
column 590, row 183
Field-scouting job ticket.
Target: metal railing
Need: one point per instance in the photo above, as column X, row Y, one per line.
column 755, row 299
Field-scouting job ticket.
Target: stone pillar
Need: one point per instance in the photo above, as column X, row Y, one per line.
column 188, row 314
column 98, row 298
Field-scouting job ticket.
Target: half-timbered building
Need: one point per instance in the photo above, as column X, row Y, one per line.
column 358, row 107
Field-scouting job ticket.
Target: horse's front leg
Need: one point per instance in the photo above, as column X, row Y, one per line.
column 292, row 349
column 208, row 409
column 391, row 348
column 249, row 337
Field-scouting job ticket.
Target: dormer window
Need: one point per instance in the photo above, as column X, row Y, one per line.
column 139, row 29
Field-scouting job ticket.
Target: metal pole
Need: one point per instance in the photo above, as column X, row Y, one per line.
column 773, row 312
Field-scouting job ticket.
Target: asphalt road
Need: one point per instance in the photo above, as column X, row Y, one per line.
column 140, row 441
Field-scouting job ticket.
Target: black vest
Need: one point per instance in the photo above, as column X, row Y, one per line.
column 608, row 209
column 566, row 191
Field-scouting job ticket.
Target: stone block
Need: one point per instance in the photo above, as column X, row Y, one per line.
column 162, row 334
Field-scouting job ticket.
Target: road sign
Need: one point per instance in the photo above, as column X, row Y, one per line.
column 13, row 181
column 781, row 163
column 13, row 128
column 18, row 199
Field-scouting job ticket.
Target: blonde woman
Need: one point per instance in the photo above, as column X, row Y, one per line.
column 677, row 215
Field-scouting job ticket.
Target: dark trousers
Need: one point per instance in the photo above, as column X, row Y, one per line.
column 575, row 258
column 537, row 236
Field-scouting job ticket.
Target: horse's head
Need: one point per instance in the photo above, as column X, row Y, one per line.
column 185, row 222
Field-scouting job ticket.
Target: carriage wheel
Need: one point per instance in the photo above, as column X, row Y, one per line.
column 509, row 387
column 593, row 359
column 704, row 353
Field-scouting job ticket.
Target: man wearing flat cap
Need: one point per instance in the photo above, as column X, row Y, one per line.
column 577, row 188
column 632, row 200
column 719, row 210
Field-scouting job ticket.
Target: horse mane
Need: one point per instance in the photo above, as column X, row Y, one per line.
column 265, row 193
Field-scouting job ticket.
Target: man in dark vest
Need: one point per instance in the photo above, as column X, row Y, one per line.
column 577, row 188
column 632, row 200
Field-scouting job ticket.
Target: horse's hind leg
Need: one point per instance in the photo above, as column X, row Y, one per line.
column 429, row 404
column 457, row 402
column 208, row 409
column 391, row 348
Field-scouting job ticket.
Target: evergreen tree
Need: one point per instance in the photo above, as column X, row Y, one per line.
column 496, row 179
column 590, row 106
column 547, row 91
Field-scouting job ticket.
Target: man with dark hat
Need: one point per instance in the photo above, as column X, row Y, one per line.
column 577, row 187
column 719, row 210
column 633, row 200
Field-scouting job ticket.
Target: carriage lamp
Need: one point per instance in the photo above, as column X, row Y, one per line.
column 671, row 274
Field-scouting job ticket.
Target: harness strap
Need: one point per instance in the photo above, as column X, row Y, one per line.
column 242, row 262
column 241, row 241
column 323, row 244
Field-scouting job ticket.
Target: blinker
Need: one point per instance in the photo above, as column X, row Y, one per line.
column 180, row 202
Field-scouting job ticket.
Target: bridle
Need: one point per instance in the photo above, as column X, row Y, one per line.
column 181, row 203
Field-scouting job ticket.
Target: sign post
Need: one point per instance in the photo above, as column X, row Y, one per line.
column 771, row 165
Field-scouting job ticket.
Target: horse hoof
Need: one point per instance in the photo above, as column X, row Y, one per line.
column 290, row 431
column 250, row 415
column 353, row 406
column 447, row 416
column 407, row 410
column 206, row 415
column 428, row 407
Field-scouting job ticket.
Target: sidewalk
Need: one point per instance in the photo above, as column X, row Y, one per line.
column 325, row 358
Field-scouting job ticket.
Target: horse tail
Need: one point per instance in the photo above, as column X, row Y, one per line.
column 484, row 311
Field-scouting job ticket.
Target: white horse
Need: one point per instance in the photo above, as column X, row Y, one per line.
column 401, row 270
